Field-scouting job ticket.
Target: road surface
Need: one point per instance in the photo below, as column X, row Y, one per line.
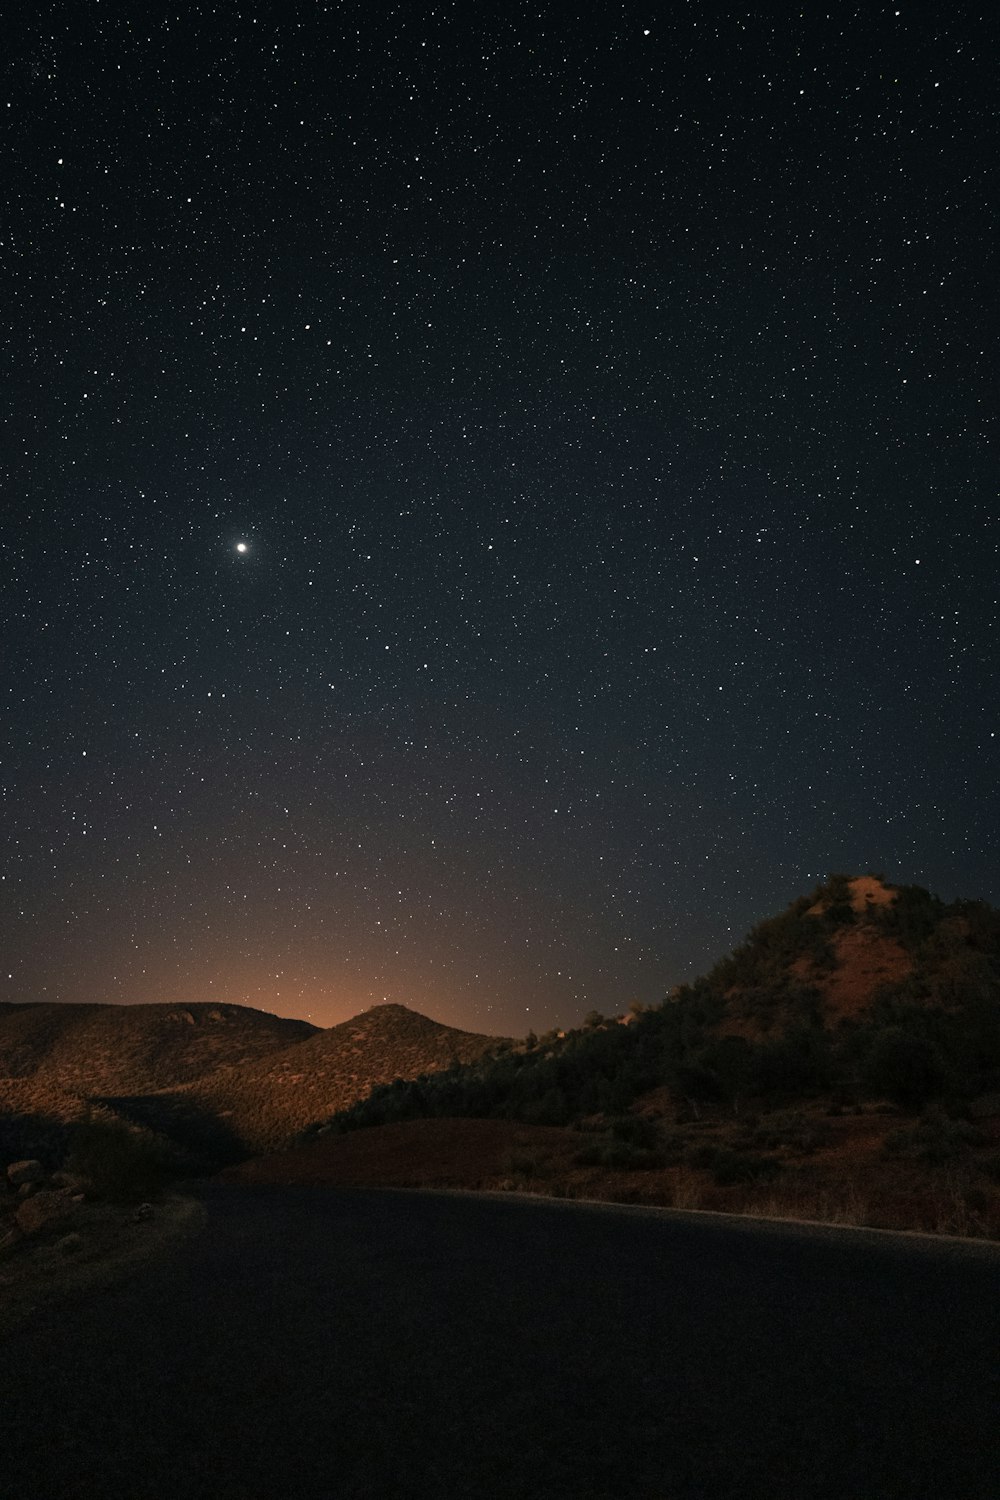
column 311, row 1344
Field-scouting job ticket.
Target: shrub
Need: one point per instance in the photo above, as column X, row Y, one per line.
column 732, row 1167
column 934, row 1139
column 635, row 1130
column 704, row 1155
column 906, row 1068
column 522, row 1164
column 795, row 1131
column 729, row 1167
column 795, row 1064
column 123, row 1165
column 618, row 1155
column 990, row 1165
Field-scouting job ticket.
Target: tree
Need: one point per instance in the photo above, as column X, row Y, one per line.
column 906, row 1068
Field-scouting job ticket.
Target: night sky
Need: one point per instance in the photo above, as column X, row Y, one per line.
column 496, row 499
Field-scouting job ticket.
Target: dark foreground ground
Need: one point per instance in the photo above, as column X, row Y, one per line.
column 323, row 1344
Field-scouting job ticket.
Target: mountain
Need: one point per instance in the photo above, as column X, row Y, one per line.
column 103, row 1049
column 56, row 1060
column 832, row 954
column 264, row 1104
column 218, row 1081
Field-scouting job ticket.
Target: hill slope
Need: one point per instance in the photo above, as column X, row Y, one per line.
column 93, row 1049
column 860, row 991
column 844, row 1062
column 55, row 1059
column 264, row 1103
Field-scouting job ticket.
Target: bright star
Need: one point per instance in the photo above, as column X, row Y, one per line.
column 243, row 546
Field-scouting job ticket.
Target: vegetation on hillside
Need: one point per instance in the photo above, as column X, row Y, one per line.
column 122, row 1049
column 931, row 1037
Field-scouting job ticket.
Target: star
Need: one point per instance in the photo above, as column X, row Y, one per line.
column 242, row 547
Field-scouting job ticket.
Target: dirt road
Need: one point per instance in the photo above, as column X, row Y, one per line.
column 320, row 1345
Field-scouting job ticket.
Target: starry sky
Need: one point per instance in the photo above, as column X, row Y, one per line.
column 496, row 498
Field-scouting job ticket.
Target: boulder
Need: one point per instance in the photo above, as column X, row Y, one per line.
column 70, row 1243
column 71, row 1182
column 25, row 1171
column 45, row 1210
column 27, row 1190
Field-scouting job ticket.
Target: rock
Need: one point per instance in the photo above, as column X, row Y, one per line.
column 25, row 1171
column 70, row 1243
column 143, row 1212
column 27, row 1190
column 46, row 1210
column 70, row 1182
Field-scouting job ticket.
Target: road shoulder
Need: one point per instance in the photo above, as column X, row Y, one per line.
column 117, row 1244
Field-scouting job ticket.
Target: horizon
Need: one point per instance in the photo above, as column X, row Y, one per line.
column 573, row 1022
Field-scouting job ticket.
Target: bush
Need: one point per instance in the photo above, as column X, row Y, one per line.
column 732, row 1167
column 522, row 1164
column 934, row 1139
column 729, row 1167
column 618, row 1155
column 990, row 1165
column 635, row 1130
column 123, row 1165
column 795, row 1064
column 906, row 1068
column 795, row 1131
column 705, row 1155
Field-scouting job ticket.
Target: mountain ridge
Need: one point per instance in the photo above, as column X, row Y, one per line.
column 236, row 1079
